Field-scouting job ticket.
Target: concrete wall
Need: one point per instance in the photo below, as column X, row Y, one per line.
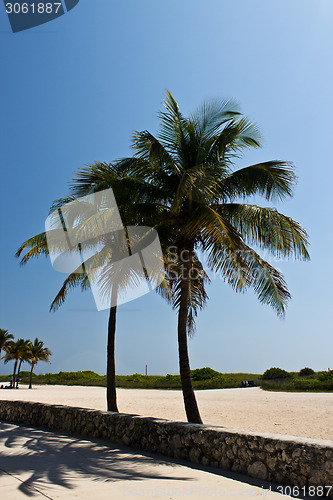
column 285, row 460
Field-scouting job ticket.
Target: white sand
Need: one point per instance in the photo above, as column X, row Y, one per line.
column 250, row 409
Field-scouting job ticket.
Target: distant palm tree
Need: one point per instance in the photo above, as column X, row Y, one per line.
column 37, row 352
column 18, row 352
column 5, row 337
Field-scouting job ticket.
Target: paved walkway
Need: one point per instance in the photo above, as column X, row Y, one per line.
column 41, row 464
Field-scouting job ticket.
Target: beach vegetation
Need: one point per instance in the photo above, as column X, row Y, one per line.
column 275, row 373
column 306, row 372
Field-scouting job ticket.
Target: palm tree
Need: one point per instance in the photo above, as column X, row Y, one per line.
column 5, row 337
column 132, row 212
column 37, row 352
column 191, row 163
column 187, row 172
column 19, row 352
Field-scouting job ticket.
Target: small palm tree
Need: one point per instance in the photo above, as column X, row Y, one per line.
column 37, row 352
column 5, row 337
column 19, row 352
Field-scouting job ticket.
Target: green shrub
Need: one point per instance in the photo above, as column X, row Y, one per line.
column 205, row 374
column 306, row 372
column 136, row 377
column 275, row 373
column 172, row 378
column 326, row 375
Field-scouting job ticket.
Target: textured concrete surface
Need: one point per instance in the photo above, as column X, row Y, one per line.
column 39, row 464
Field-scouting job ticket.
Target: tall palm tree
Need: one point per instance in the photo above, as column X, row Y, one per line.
column 37, row 352
column 5, row 337
column 18, row 352
column 25, row 348
column 188, row 172
column 132, row 213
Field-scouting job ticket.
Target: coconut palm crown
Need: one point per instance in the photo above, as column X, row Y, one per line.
column 18, row 352
column 37, row 352
column 5, row 338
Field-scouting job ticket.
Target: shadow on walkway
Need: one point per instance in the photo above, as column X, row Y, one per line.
column 52, row 458
column 44, row 463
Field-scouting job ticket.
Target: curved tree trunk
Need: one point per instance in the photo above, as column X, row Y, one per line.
column 30, row 383
column 111, row 395
column 190, row 401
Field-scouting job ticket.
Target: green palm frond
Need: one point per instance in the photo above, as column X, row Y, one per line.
column 34, row 247
column 210, row 118
column 267, row 282
column 60, row 202
column 268, row 229
column 173, row 134
column 211, row 229
column 224, row 261
column 196, row 184
column 271, row 179
column 72, row 281
column 248, row 135
column 244, row 269
column 38, row 352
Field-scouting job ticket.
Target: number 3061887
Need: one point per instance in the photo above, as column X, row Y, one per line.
column 311, row 491
column 32, row 8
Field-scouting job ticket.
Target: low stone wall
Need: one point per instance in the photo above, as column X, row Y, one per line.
column 282, row 459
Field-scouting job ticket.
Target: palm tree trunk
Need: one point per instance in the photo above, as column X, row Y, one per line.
column 15, row 366
column 30, row 383
column 18, row 372
column 111, row 394
column 191, row 407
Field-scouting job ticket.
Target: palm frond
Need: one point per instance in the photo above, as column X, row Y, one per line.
column 268, row 229
column 211, row 117
column 271, row 179
column 72, row 281
column 267, row 282
column 211, row 228
column 35, row 246
column 196, row 184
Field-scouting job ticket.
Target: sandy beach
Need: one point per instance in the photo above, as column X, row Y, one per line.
column 249, row 409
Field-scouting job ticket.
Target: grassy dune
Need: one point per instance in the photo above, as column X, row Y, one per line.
column 203, row 378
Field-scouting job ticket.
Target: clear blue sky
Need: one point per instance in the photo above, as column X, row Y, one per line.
column 73, row 91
